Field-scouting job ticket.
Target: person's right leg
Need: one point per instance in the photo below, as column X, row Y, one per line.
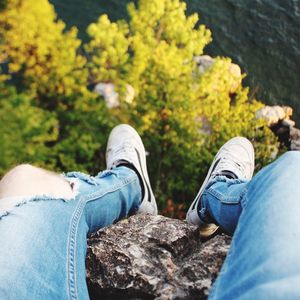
column 43, row 235
column 43, row 239
column 264, row 214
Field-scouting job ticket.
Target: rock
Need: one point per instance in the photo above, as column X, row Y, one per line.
column 295, row 139
column 152, row 257
column 107, row 91
column 111, row 97
column 288, row 111
column 204, row 62
column 278, row 119
column 273, row 114
column 288, row 123
column 130, row 93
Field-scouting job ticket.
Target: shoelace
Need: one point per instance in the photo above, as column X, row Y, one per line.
column 229, row 163
column 126, row 148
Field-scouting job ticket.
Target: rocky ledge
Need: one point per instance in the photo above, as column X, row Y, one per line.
column 152, row 257
column 279, row 121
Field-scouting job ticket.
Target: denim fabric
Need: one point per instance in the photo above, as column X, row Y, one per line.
column 264, row 215
column 43, row 240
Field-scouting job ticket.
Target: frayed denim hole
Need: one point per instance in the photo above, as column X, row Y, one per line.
column 27, row 200
column 4, row 214
column 106, row 173
column 84, row 177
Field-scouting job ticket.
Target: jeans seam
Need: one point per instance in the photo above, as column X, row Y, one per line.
column 71, row 257
column 204, row 212
column 244, row 199
column 72, row 242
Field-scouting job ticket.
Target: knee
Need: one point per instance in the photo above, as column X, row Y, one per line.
column 288, row 164
column 290, row 158
column 22, row 170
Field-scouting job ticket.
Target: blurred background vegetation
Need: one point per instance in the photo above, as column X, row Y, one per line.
column 51, row 116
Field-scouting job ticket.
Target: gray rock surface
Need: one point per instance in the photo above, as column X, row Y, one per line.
column 152, row 257
column 111, row 96
column 278, row 120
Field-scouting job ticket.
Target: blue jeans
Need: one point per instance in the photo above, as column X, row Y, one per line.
column 264, row 217
column 43, row 241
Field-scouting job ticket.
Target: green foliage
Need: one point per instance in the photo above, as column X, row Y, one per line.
column 183, row 115
column 40, row 53
column 25, row 130
column 83, row 135
column 228, row 112
column 43, row 60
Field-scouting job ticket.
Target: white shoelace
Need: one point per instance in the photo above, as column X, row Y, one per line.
column 126, row 149
column 231, row 164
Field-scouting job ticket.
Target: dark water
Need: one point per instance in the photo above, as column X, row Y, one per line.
column 262, row 36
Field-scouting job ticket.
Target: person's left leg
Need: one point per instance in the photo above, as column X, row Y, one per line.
column 263, row 260
column 263, row 216
column 218, row 202
column 43, row 238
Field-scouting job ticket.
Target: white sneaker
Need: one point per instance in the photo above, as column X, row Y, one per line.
column 125, row 146
column 234, row 159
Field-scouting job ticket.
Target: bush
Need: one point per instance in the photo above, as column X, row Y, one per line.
column 41, row 55
column 25, row 131
column 183, row 115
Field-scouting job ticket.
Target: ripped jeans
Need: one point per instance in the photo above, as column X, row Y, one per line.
column 263, row 214
column 43, row 240
column 264, row 217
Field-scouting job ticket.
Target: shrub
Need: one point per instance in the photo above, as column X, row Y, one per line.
column 182, row 115
column 41, row 54
column 25, row 131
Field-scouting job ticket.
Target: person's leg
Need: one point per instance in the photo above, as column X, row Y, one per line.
column 26, row 180
column 264, row 214
column 232, row 165
column 43, row 238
